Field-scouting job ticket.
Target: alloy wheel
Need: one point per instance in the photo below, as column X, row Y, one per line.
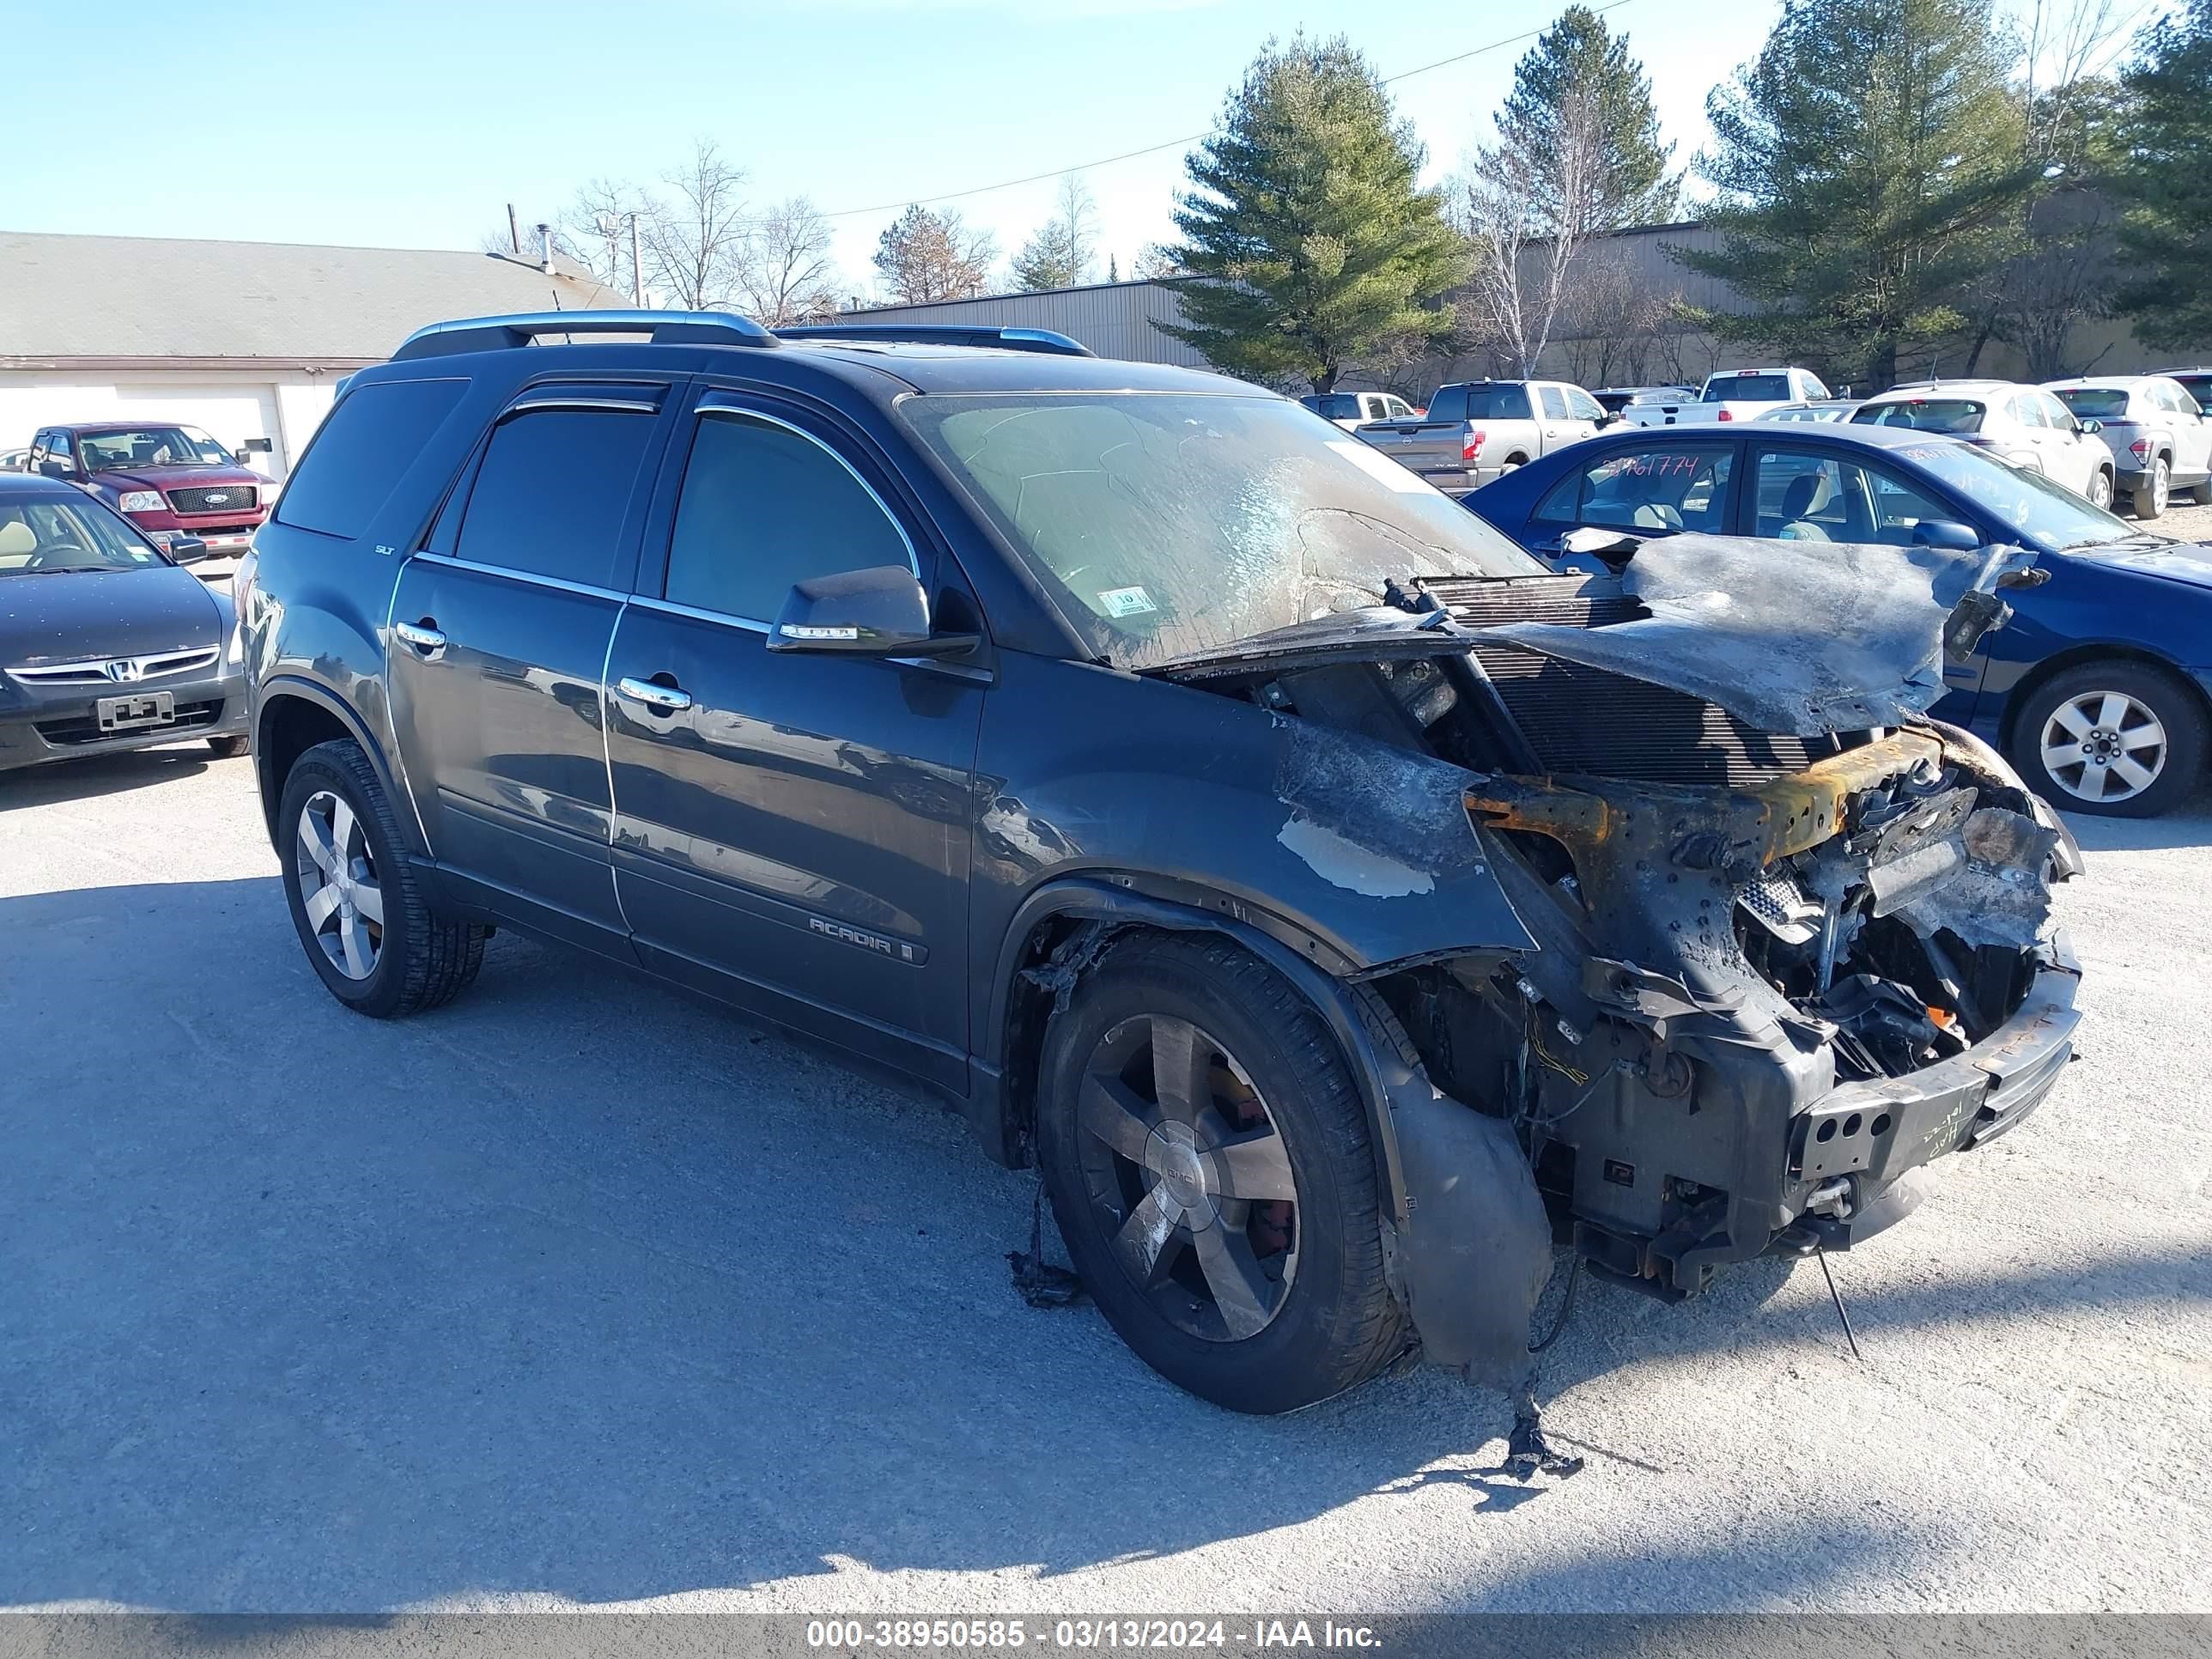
column 338, row 886
column 2101, row 489
column 1190, row 1177
column 2161, row 487
column 2104, row 746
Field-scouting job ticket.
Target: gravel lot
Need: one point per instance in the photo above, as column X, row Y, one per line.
column 578, row 1293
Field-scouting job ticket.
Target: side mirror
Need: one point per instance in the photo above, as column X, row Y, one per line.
column 2091, row 425
column 1595, row 542
column 1946, row 532
column 186, row 549
column 255, row 447
column 877, row 612
column 54, row 469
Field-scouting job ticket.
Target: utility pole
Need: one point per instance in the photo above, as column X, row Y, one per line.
column 636, row 266
column 513, row 232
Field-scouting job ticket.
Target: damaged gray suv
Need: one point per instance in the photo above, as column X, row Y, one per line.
column 1339, row 908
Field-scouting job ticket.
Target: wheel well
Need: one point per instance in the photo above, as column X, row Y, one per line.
column 289, row 727
column 2057, row 663
column 1516, row 459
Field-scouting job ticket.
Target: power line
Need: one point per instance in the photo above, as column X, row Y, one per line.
column 1178, row 144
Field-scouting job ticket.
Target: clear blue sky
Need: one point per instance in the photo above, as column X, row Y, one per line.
column 411, row 125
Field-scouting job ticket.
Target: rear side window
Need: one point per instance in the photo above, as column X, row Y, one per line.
column 1925, row 415
column 764, row 507
column 1499, row 403
column 1663, row 487
column 366, row 444
column 1555, row 402
column 553, row 493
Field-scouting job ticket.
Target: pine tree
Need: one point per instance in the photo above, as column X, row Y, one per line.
column 1059, row 254
column 1865, row 162
column 2166, row 182
column 1629, row 183
column 1306, row 213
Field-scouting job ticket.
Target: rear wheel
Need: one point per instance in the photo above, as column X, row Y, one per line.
column 228, row 748
column 369, row 933
column 2200, row 493
column 2152, row 493
column 1208, row 1157
column 2100, row 487
column 2118, row 738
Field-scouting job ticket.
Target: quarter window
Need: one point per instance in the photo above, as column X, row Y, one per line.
column 1663, row 487
column 765, row 506
column 365, row 445
column 553, row 493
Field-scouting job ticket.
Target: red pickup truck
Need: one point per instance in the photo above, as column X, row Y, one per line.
column 168, row 480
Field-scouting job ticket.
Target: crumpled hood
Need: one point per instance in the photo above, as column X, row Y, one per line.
column 76, row 616
column 1797, row 637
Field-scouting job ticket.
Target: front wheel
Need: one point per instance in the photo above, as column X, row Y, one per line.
column 2116, row 739
column 1210, row 1165
column 228, row 748
column 370, row 934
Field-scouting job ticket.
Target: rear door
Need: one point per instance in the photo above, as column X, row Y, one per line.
column 500, row 631
column 2192, row 435
column 793, row 830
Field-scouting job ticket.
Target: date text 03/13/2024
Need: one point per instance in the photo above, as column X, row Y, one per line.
column 1109, row 1635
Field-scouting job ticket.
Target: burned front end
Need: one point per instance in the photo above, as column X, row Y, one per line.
column 1791, row 938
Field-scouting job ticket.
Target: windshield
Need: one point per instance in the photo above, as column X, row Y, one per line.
column 2046, row 516
column 38, row 537
column 1167, row 525
column 1748, row 388
column 149, row 446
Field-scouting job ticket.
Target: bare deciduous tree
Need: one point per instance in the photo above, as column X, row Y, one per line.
column 784, row 268
column 694, row 242
column 1059, row 254
column 1525, row 216
column 1611, row 322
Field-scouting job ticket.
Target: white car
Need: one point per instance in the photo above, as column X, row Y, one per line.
column 2023, row 424
column 1350, row 410
column 2160, row 441
column 1734, row 394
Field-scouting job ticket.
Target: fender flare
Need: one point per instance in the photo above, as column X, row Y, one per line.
column 1388, row 1075
column 308, row 691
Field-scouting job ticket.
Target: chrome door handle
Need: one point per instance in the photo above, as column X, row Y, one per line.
column 661, row 699
column 427, row 640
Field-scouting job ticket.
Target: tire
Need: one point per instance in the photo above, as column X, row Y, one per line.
column 228, row 748
column 1307, row 1314
column 2100, row 487
column 2160, row 732
column 2201, row 493
column 403, row 958
column 2150, row 496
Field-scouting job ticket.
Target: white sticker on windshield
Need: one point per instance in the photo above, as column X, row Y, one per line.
column 1379, row 466
column 1126, row 601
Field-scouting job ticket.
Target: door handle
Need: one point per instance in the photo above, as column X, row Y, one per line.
column 660, row 699
column 424, row 637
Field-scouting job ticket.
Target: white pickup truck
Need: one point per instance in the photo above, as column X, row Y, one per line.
column 1736, row 394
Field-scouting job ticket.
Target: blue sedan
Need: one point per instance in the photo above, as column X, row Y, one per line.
column 2100, row 689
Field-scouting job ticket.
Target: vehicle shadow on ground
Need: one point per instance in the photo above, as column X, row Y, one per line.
column 576, row 1288
column 99, row 775
column 2190, row 824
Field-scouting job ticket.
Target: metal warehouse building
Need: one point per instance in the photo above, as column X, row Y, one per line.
column 1115, row 319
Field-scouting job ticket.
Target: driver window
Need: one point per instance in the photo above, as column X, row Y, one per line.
column 765, row 505
column 1805, row 498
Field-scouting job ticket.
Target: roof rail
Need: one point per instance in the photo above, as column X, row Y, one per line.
column 951, row 334
column 664, row 328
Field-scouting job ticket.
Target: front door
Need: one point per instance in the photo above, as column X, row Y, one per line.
column 500, row 630
column 792, row 831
